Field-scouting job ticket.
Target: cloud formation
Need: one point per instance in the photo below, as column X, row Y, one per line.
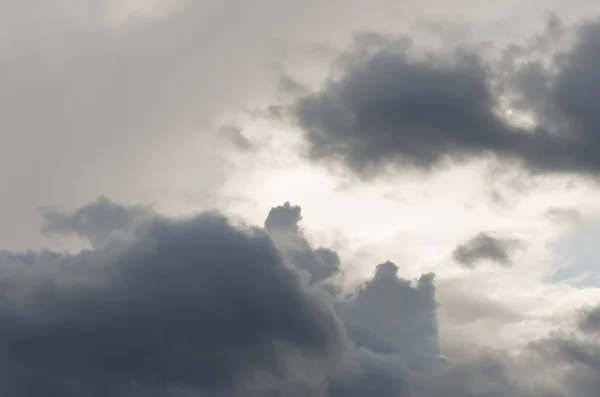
column 283, row 225
column 95, row 221
column 174, row 304
column 484, row 247
column 199, row 307
column 397, row 104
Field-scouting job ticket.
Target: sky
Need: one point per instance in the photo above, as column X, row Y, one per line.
column 299, row 198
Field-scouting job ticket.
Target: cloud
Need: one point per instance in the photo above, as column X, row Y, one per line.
column 377, row 316
column 484, row 247
column 391, row 106
column 590, row 320
column 200, row 307
column 395, row 103
column 282, row 223
column 194, row 303
column 574, row 357
column 236, row 137
column 95, row 221
column 463, row 305
column 377, row 375
column 121, row 98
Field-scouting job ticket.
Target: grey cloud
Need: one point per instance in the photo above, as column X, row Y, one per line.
column 377, row 316
column 391, row 106
column 573, row 361
column 572, row 91
column 283, row 224
column 377, row 374
column 393, row 323
column 199, row 307
column 484, row 247
column 236, row 137
column 590, row 320
column 483, row 375
column 574, row 357
column 95, row 221
column 193, row 303
column 284, row 218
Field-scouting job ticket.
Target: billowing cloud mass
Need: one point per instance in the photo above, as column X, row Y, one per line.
column 199, row 307
column 397, row 104
column 484, row 247
column 184, row 304
column 282, row 224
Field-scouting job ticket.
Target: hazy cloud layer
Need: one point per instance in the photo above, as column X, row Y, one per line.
column 397, row 104
column 95, row 221
column 120, row 97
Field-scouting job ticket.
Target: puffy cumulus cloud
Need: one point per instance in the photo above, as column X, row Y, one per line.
column 395, row 103
column 484, row 247
column 389, row 105
column 200, row 307
column 283, row 224
column 371, row 325
column 184, row 304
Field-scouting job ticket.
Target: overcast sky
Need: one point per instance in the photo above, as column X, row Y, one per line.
column 333, row 198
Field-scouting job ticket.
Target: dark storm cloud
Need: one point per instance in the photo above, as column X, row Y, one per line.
column 574, row 90
column 95, row 221
column 377, row 374
column 282, row 224
column 484, row 247
column 391, row 106
column 193, row 303
column 198, row 307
